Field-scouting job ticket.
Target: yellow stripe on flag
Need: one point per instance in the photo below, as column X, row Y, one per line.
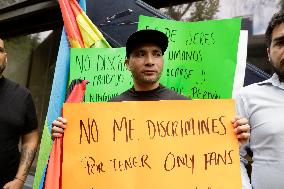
column 92, row 37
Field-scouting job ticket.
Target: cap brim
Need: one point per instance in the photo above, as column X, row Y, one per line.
column 146, row 36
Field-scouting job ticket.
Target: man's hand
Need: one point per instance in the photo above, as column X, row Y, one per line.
column 14, row 184
column 241, row 129
column 58, row 127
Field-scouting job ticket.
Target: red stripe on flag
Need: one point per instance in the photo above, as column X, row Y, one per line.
column 70, row 23
column 77, row 10
column 53, row 179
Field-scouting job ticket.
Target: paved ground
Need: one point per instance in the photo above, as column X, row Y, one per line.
column 29, row 182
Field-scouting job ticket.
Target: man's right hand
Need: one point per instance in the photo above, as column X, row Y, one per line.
column 58, row 127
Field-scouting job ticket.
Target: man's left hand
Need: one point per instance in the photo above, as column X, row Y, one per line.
column 241, row 129
column 14, row 184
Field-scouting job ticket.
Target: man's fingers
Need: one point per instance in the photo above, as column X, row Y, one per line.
column 243, row 136
column 242, row 129
column 58, row 123
column 237, row 121
column 61, row 119
column 56, row 132
column 7, row 185
column 236, row 118
column 56, row 129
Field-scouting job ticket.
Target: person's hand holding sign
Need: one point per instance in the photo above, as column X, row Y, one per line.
column 242, row 129
column 58, row 127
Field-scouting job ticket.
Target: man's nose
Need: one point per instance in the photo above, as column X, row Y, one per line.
column 149, row 61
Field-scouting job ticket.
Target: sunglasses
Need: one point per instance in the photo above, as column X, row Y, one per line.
column 2, row 50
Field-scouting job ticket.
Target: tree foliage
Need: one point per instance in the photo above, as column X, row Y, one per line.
column 201, row 10
column 204, row 10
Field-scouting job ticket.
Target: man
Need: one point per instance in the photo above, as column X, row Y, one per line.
column 18, row 121
column 144, row 58
column 263, row 104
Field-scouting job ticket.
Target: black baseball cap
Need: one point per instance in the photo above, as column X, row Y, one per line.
column 146, row 36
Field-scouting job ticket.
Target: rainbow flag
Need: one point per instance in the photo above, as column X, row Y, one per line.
column 92, row 37
column 54, row 169
column 81, row 32
column 56, row 100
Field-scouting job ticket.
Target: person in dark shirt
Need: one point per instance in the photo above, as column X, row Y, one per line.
column 144, row 59
column 18, row 121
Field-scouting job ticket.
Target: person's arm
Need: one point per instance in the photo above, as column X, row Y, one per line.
column 245, row 178
column 28, row 147
column 242, row 111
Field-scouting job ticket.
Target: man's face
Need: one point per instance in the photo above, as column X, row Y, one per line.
column 3, row 57
column 146, row 64
column 276, row 50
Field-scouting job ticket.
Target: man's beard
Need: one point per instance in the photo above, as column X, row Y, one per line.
column 2, row 68
column 279, row 72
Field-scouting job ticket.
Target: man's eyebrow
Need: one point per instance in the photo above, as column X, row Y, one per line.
column 281, row 38
column 140, row 50
column 157, row 51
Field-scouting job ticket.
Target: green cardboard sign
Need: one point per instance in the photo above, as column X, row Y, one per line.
column 104, row 69
column 200, row 60
column 201, row 57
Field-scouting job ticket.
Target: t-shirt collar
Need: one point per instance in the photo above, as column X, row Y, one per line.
column 146, row 92
column 274, row 80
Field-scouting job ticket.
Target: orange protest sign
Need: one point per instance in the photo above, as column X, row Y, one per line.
column 159, row 144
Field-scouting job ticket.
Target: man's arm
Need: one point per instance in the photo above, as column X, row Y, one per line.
column 245, row 178
column 242, row 111
column 28, row 150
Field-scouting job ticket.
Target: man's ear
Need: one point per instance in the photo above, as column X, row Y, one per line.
column 126, row 62
column 268, row 53
column 6, row 57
